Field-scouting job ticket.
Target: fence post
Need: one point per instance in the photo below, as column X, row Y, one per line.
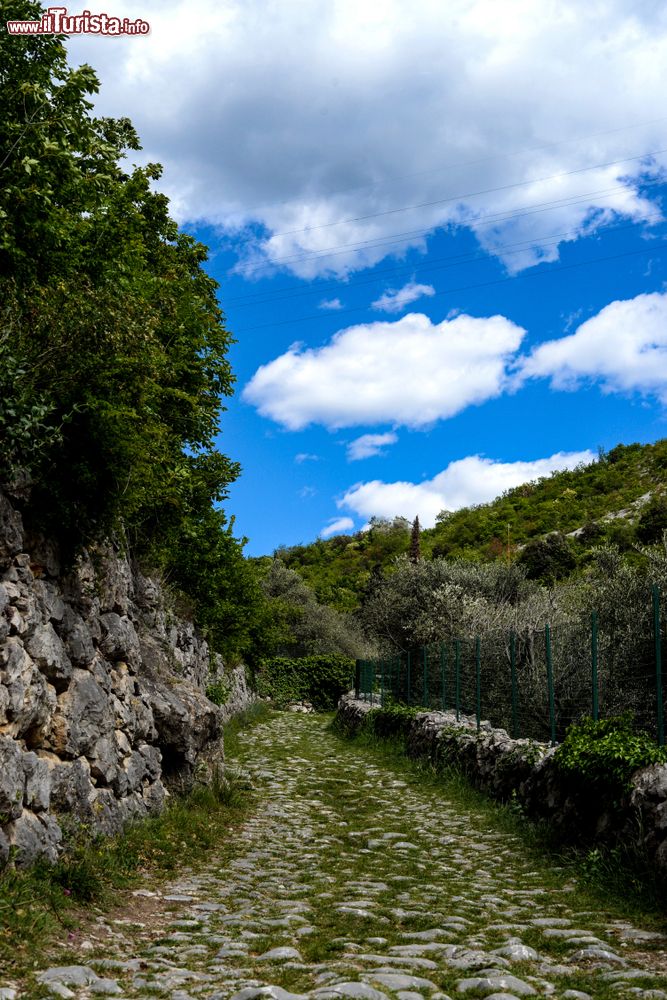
column 550, row 684
column 594, row 664
column 357, row 679
column 478, row 680
column 425, row 678
column 443, row 674
column 658, row 665
column 515, row 722
column 407, row 699
column 381, row 683
column 371, row 678
column 457, row 655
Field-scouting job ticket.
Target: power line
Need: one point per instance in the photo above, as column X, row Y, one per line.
column 471, row 194
column 465, row 288
column 461, row 164
column 482, row 220
column 285, row 293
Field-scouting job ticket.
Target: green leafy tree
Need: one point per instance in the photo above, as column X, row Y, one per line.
column 113, row 348
column 415, row 541
column 548, row 559
column 112, row 327
column 653, row 521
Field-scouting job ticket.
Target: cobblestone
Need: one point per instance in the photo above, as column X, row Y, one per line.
column 349, row 882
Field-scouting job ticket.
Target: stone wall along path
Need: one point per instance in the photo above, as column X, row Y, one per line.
column 352, row 880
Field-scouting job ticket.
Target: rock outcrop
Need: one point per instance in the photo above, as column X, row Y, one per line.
column 103, row 701
column 525, row 772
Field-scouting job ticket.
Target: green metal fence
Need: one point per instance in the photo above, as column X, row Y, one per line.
column 533, row 683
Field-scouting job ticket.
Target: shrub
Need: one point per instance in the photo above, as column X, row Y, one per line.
column 653, row 521
column 393, row 721
column 320, row 680
column 607, row 753
column 218, row 691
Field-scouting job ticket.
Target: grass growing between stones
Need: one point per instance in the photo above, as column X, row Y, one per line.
column 367, row 872
column 467, row 867
column 43, row 908
column 622, row 877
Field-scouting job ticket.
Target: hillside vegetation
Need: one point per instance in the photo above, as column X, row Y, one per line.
column 517, row 526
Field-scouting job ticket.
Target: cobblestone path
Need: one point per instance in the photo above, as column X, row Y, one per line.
column 351, row 881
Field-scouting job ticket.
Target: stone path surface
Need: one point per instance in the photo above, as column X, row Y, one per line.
column 351, row 880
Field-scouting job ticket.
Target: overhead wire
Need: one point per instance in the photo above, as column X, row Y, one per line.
column 462, row 164
column 464, row 288
column 471, row 194
column 479, row 221
column 431, row 264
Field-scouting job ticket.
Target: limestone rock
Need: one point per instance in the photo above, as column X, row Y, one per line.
column 29, row 701
column 101, row 694
column 186, row 722
column 71, row 788
column 11, row 779
column 77, row 637
column 49, row 600
column 37, row 792
column 83, row 715
column 47, row 650
column 120, row 640
column 11, row 532
column 34, row 837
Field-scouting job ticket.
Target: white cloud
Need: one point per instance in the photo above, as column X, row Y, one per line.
column 467, row 481
column 305, row 456
column 369, row 445
column 295, row 124
column 396, row 299
column 306, row 492
column 333, row 304
column 623, row 347
column 409, row 372
column 336, row 526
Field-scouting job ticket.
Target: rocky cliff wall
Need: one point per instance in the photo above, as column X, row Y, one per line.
column 102, row 694
column 525, row 772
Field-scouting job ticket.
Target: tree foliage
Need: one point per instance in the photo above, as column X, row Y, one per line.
column 548, row 559
column 299, row 625
column 113, row 348
column 321, row 680
column 112, row 327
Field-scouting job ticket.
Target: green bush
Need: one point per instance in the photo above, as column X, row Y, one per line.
column 390, row 722
column 320, row 680
column 218, row 692
column 607, row 753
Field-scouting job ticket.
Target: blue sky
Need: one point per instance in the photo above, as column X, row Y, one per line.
column 440, row 239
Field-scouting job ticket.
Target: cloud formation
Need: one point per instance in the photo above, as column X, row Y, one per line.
column 332, row 304
column 369, row 445
column 336, row 526
column 394, row 300
column 466, row 117
column 410, row 372
column 464, row 482
column 623, row 348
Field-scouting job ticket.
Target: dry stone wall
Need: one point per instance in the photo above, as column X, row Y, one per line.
column 102, row 694
column 525, row 772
